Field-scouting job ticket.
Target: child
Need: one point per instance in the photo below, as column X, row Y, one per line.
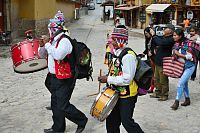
column 193, row 36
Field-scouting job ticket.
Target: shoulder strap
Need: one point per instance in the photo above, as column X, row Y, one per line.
column 123, row 53
column 64, row 36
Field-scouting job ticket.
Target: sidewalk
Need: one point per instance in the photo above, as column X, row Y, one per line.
column 139, row 31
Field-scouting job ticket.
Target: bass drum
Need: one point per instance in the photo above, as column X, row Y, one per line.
column 25, row 57
column 104, row 103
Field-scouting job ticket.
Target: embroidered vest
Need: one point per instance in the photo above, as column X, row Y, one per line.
column 62, row 68
column 124, row 91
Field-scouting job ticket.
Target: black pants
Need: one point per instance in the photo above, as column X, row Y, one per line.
column 48, row 82
column 123, row 113
column 61, row 91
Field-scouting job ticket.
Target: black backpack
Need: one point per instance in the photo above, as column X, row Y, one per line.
column 80, row 61
column 143, row 73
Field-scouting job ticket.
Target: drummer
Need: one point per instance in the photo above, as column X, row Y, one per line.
column 61, row 82
column 122, row 81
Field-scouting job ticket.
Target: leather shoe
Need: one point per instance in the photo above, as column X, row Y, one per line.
column 50, row 130
column 81, row 128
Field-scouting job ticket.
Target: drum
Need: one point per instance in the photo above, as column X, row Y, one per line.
column 25, row 56
column 104, row 104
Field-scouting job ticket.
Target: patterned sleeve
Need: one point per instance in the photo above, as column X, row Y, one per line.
column 176, row 46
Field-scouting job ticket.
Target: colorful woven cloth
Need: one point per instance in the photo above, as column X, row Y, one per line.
column 120, row 33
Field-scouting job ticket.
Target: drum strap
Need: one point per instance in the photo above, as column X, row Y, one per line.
column 110, row 67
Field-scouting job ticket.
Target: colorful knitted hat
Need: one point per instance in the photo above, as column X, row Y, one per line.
column 121, row 36
column 58, row 21
column 120, row 33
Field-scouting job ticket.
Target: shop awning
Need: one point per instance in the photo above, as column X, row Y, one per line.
column 127, row 8
column 122, row 5
column 108, row 3
column 157, row 7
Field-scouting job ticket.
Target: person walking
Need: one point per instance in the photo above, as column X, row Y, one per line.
column 123, row 81
column 188, row 51
column 60, row 80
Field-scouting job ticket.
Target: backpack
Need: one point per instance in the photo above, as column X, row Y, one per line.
column 80, row 61
column 143, row 74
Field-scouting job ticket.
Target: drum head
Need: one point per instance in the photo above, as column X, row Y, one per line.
column 104, row 104
column 31, row 66
column 109, row 107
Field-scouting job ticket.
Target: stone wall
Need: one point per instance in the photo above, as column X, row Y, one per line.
column 41, row 27
column 25, row 25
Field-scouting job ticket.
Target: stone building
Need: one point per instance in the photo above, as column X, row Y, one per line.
column 18, row 16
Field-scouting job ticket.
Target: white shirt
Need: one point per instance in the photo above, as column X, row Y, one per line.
column 198, row 40
column 128, row 69
column 192, row 38
column 64, row 48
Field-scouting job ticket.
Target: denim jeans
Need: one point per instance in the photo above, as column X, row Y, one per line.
column 183, row 83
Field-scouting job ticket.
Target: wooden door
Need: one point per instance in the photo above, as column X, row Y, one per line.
column 1, row 16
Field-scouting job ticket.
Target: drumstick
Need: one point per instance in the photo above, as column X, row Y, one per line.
column 100, row 74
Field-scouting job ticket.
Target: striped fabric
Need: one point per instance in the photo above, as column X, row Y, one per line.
column 173, row 68
column 189, row 43
column 120, row 33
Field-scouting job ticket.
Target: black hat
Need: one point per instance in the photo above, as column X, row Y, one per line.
column 171, row 27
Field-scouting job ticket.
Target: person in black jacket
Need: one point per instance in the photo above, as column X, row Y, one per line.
column 162, row 48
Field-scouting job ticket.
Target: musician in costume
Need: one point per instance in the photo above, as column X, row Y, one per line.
column 122, row 80
column 109, row 51
column 60, row 81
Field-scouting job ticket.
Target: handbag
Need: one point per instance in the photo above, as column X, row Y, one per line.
column 173, row 67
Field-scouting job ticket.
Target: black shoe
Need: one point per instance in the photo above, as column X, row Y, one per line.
column 81, row 128
column 49, row 108
column 50, row 130
column 192, row 78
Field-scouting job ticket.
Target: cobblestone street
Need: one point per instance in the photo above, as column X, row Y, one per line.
column 23, row 97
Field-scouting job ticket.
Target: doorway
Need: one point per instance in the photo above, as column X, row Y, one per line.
column 1, row 16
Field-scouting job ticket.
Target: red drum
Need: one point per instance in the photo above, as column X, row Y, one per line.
column 25, row 56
